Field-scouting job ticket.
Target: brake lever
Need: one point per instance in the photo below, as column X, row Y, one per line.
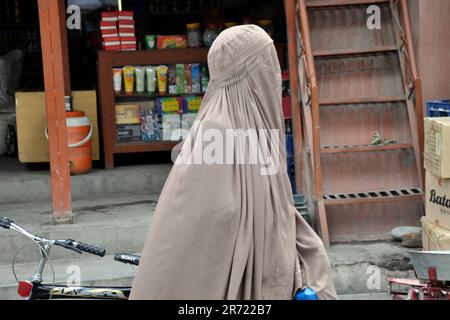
column 65, row 244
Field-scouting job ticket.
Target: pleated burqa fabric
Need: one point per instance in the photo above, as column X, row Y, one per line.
column 229, row 229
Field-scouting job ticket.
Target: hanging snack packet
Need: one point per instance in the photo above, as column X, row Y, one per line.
column 187, row 78
column 172, row 79
column 180, row 78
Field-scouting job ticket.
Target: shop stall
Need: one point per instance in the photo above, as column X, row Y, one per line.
column 152, row 67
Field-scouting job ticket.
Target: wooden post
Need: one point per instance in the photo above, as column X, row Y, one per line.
column 55, row 60
column 417, row 82
column 290, row 12
column 305, row 31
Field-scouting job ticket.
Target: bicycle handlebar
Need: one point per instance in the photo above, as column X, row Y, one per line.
column 70, row 244
column 80, row 246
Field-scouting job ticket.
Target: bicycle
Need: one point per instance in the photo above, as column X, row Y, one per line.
column 34, row 289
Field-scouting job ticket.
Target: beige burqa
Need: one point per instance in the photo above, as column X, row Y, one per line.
column 227, row 230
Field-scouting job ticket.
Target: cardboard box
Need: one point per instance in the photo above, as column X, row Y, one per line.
column 31, row 122
column 128, row 133
column 437, row 200
column 434, row 238
column 109, row 33
column 127, row 114
column 128, row 47
column 108, row 25
column 128, row 43
column 109, row 16
column 126, row 24
column 437, row 146
column 124, row 15
column 126, row 32
column 110, row 44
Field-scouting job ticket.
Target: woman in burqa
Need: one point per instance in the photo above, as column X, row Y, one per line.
column 229, row 230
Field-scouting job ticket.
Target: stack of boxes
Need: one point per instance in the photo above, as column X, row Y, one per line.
column 436, row 223
column 109, row 32
column 163, row 119
column 126, row 31
column 117, row 30
column 128, row 123
column 177, row 116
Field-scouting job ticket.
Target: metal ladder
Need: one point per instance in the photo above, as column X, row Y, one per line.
column 353, row 83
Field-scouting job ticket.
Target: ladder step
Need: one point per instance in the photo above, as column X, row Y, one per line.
column 337, row 3
column 362, row 100
column 365, row 148
column 342, row 52
column 373, row 196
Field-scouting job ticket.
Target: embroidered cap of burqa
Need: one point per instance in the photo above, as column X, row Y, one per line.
column 228, row 229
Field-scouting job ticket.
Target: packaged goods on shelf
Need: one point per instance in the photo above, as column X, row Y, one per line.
column 140, row 79
column 126, row 24
column 150, row 74
column 204, row 78
column 169, row 104
column 150, row 124
column 194, row 35
column 172, row 79
column 128, row 133
column 108, row 30
column 196, row 78
column 108, row 25
column 150, row 41
column 126, row 28
column 127, row 43
column 125, row 33
column 118, row 24
column 169, row 109
column 191, row 104
column 180, row 78
column 127, row 114
column 171, row 126
column 109, row 16
column 117, row 80
column 170, row 42
column 124, row 15
column 109, row 33
column 177, row 79
column 161, row 76
column 188, row 78
column 111, row 44
column 437, row 146
column 187, row 120
column 437, row 200
column 438, row 108
column 128, row 76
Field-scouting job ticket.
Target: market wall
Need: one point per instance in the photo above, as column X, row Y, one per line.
column 430, row 21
